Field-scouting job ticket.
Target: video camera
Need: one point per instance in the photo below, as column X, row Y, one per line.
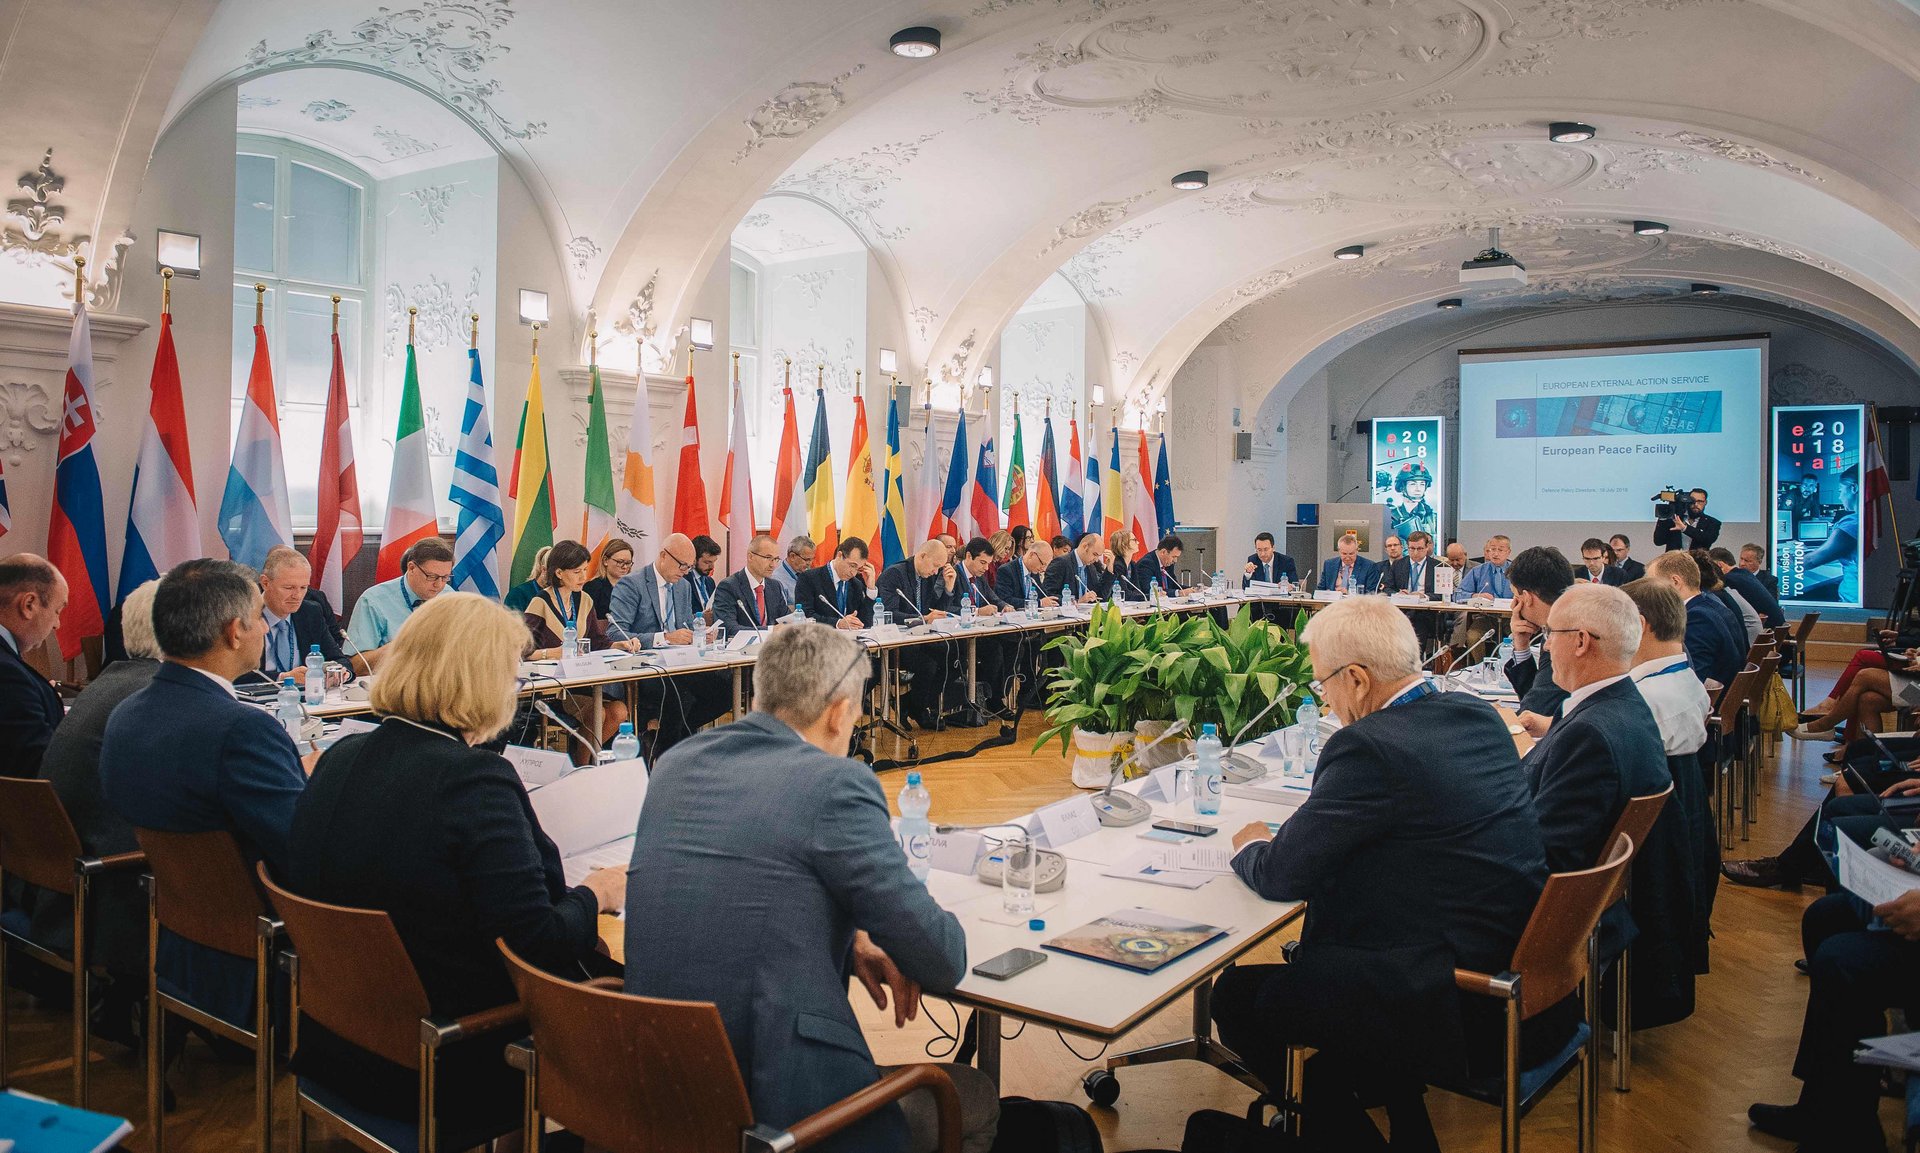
column 1671, row 502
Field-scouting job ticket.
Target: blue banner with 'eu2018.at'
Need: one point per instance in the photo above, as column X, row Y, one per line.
column 1816, row 502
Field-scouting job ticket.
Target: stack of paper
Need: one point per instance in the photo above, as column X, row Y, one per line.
column 1900, row 1051
column 1181, row 866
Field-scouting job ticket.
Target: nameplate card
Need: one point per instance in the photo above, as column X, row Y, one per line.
column 944, row 624
column 1065, row 822
column 1328, row 595
column 538, row 767
column 955, row 852
column 590, row 665
column 1173, row 787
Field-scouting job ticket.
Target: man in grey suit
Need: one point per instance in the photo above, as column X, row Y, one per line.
column 654, row 605
column 785, row 881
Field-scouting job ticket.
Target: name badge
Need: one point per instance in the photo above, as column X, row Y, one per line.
column 1173, row 789
column 1065, row 822
column 955, row 852
column 590, row 665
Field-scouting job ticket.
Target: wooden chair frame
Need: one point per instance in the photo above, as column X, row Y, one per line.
column 44, row 820
column 1636, row 822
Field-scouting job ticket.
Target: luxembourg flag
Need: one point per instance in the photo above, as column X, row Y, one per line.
column 77, row 529
column 162, row 527
column 410, row 512
column 254, row 513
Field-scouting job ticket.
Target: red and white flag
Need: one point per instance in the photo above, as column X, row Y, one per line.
column 789, row 514
column 736, row 487
column 336, row 528
column 690, row 488
column 1877, row 484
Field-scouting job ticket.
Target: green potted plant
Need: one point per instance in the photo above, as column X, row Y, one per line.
column 1094, row 696
column 1229, row 676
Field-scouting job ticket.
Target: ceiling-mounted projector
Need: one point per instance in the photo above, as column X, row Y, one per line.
column 1493, row 267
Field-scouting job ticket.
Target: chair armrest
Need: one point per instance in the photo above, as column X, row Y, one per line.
column 520, row 1054
column 438, row 1031
column 610, row 984
column 1504, row 986
column 811, row 1131
column 93, row 866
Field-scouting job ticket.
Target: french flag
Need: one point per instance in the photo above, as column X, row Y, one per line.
column 254, row 513
column 76, row 528
column 162, row 527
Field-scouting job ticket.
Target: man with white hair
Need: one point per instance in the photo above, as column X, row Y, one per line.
column 786, row 879
column 924, row 587
column 295, row 621
column 1410, row 866
column 1605, row 747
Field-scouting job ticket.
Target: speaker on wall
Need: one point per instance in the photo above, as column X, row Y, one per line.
column 903, row 397
column 1243, row 446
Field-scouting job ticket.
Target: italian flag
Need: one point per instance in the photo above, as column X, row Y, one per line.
column 410, row 513
column 596, row 519
column 533, row 515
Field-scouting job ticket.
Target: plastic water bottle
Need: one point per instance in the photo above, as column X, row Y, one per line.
column 966, row 608
column 569, row 641
column 1308, row 718
column 316, row 676
column 1113, row 593
column 1207, row 780
column 880, row 614
column 1219, row 583
column 1033, row 603
column 914, row 830
column 625, row 746
column 287, row 707
column 1153, row 595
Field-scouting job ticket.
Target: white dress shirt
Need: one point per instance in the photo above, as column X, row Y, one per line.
column 1678, row 701
column 665, row 587
column 226, row 686
column 1584, row 691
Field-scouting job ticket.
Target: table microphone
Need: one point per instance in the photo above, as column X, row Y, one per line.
column 1489, row 635
column 910, row 603
column 1238, row 768
column 546, row 711
column 1117, row 810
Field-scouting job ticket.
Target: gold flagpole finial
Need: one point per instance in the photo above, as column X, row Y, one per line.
column 411, row 314
column 473, row 341
column 820, row 379
column 856, row 382
column 166, row 291
column 736, row 368
column 79, row 279
column 336, row 314
column 786, row 382
column 259, row 304
column 593, row 348
column 536, row 338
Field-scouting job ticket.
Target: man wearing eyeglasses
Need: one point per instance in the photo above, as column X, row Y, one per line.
column 425, row 570
column 749, row 600
column 654, row 606
column 1538, row 576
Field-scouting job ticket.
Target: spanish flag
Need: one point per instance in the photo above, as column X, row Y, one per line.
column 819, row 478
column 533, row 507
column 863, row 515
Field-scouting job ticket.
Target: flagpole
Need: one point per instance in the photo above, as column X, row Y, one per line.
column 473, row 341
column 260, row 305
column 1893, row 518
column 166, row 291
column 336, row 314
column 536, row 338
column 412, row 313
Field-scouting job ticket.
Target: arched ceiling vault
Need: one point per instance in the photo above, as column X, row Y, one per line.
column 1776, row 135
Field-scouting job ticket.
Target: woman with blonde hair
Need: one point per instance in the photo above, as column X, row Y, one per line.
column 1002, row 542
column 1121, row 543
column 521, row 595
column 419, row 820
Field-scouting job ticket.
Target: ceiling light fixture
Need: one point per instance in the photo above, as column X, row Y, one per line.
column 1705, row 289
column 916, row 43
column 1449, row 304
column 1350, row 252
column 1570, row 132
column 1649, row 228
column 1191, row 181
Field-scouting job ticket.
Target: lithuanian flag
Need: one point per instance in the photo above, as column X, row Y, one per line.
column 533, row 506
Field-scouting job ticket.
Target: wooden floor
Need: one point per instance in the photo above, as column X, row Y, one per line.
column 1692, row 1081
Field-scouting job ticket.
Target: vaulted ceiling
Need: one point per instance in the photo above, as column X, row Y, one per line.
column 1776, row 136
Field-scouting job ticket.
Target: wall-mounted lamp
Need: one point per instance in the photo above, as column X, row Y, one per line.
column 179, row 251
column 889, row 362
column 985, row 379
column 700, row 332
column 533, row 306
column 1100, row 394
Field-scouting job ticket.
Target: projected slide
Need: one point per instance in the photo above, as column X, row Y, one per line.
column 1588, row 437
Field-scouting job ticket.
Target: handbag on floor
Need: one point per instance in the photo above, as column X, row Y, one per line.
column 1028, row 1126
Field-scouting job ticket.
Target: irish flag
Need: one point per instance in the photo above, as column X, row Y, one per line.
column 533, row 515
column 410, row 515
column 635, row 517
column 596, row 518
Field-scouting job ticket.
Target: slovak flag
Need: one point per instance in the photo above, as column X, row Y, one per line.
column 77, row 529
column 254, row 513
column 6, row 514
column 985, row 509
column 162, row 527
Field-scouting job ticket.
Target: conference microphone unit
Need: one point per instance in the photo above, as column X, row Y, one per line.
column 546, row 710
column 1238, row 768
column 1118, row 810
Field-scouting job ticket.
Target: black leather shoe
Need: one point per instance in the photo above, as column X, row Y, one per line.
column 1788, row 1122
column 1758, row 873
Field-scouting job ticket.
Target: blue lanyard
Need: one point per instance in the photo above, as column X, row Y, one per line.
column 1414, row 693
column 1681, row 665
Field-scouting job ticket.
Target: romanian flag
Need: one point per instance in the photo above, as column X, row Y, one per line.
column 863, row 512
column 597, row 516
column 1046, row 515
column 893, row 501
column 533, row 507
column 1015, row 500
column 1113, row 507
column 819, row 485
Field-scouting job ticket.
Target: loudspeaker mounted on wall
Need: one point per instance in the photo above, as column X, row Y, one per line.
column 1363, row 429
column 903, row 398
column 1243, row 446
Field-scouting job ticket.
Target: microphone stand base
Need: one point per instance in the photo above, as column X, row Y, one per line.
column 1239, row 768
column 1118, row 810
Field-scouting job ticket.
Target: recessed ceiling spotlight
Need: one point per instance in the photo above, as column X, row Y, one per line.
column 1705, row 290
column 916, row 43
column 1649, row 228
column 1570, row 132
column 1191, row 181
column 1350, row 252
column 1449, row 304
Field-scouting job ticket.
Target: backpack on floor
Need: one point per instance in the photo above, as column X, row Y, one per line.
column 1028, row 1126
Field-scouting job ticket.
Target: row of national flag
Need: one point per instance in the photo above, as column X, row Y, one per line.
column 255, row 515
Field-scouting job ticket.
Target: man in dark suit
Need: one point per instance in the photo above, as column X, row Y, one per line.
column 1605, row 747
column 653, row 604
column 925, row 586
column 1538, row 576
column 1694, row 530
column 1410, row 866
column 1593, row 567
column 1413, row 573
column 1630, row 569
column 1156, row 568
column 706, row 552
column 1015, row 581
column 1752, row 558
column 1716, row 640
column 32, row 596
column 1083, row 574
column 991, row 655
column 1348, row 570
column 185, row 755
column 748, row 600
column 840, row 592
column 295, row 621
column 1750, row 587
column 1264, row 564
column 789, row 875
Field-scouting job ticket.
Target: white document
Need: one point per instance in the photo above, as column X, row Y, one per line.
column 1065, row 822
column 593, row 806
column 1201, row 858
column 591, row 665
column 538, row 767
column 1328, row 595
column 1153, row 867
column 1901, row 1051
column 1869, row 878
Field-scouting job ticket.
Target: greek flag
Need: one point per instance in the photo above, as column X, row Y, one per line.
column 476, row 493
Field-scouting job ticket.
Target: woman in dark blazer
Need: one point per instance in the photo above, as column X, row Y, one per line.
column 616, row 561
column 417, row 821
column 565, row 602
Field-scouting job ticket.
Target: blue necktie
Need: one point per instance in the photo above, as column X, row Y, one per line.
column 666, row 609
column 283, row 653
column 843, row 598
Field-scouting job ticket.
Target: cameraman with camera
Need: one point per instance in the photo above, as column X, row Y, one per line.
column 1681, row 522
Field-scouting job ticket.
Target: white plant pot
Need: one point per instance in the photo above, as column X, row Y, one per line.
column 1165, row 753
column 1093, row 756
